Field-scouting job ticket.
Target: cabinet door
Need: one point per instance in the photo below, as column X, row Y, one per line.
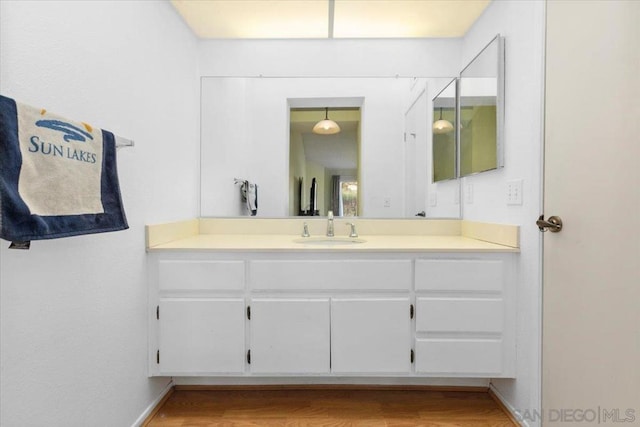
column 290, row 336
column 201, row 335
column 370, row 335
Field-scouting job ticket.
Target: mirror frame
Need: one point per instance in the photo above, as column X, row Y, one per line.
column 500, row 105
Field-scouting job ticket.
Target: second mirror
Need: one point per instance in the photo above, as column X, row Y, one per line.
column 444, row 133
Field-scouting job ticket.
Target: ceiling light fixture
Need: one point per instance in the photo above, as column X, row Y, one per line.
column 441, row 126
column 326, row 126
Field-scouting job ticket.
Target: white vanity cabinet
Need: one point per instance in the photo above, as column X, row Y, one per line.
column 349, row 314
column 366, row 332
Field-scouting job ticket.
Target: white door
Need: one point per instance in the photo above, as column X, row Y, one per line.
column 370, row 335
column 201, row 336
column 290, row 336
column 591, row 290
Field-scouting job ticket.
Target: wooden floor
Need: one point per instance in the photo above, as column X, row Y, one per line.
column 335, row 408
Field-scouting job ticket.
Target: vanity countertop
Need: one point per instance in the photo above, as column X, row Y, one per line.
column 455, row 236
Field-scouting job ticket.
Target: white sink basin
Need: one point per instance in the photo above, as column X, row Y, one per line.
column 329, row 240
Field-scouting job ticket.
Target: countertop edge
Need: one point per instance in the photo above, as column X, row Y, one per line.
column 334, row 250
column 375, row 244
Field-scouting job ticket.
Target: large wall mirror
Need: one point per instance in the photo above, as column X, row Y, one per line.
column 482, row 110
column 259, row 129
column 444, row 134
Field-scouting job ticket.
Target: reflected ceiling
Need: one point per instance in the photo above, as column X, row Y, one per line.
column 283, row 19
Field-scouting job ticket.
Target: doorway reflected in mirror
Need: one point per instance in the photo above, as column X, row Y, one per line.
column 324, row 169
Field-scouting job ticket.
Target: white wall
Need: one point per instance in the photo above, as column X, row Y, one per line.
column 74, row 310
column 321, row 58
column 522, row 25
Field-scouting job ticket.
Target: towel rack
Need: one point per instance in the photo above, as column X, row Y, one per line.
column 124, row 142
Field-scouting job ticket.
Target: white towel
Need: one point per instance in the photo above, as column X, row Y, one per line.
column 249, row 192
column 58, row 177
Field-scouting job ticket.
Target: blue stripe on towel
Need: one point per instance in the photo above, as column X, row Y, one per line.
column 16, row 221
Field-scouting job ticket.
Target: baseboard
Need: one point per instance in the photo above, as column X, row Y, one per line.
column 314, row 380
column 154, row 406
column 467, row 389
column 506, row 407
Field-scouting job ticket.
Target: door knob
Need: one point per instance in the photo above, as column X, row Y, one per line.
column 553, row 224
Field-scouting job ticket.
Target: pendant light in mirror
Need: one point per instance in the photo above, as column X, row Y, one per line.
column 442, row 126
column 326, row 126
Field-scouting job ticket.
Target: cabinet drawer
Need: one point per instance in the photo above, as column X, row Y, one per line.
column 459, row 275
column 201, row 275
column 459, row 356
column 459, row 315
column 331, row 275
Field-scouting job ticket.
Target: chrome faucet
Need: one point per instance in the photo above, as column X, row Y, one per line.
column 305, row 230
column 330, row 224
column 353, row 229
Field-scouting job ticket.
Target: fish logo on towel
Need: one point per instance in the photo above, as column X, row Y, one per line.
column 71, row 132
column 49, row 144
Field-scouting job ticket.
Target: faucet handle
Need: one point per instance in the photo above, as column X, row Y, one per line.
column 330, row 215
column 305, row 230
column 353, row 230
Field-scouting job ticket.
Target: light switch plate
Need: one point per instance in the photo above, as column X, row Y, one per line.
column 433, row 200
column 514, row 192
